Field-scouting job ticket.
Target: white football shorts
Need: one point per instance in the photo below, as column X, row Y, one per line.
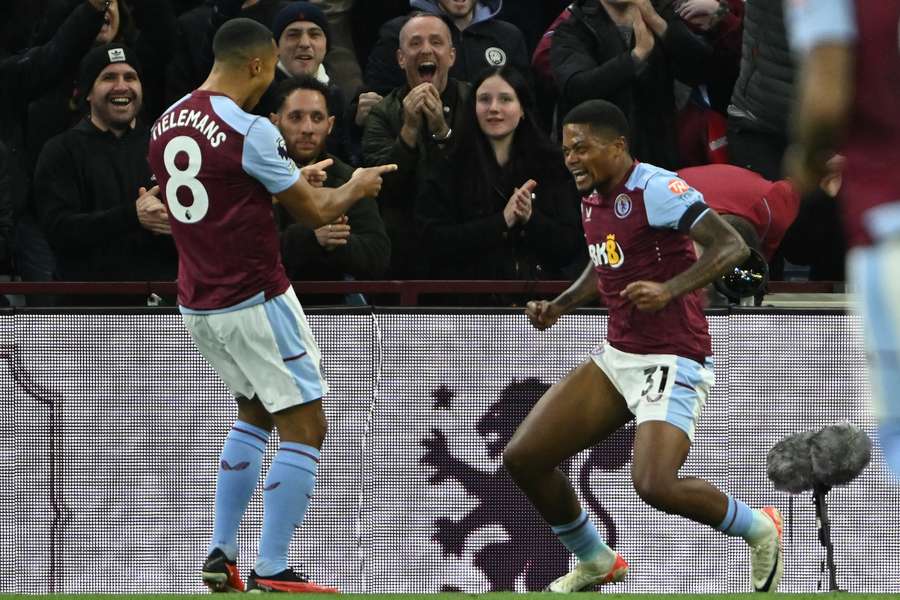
column 658, row 387
column 266, row 349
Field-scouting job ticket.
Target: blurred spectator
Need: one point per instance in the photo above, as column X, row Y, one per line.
column 532, row 17
column 413, row 127
column 807, row 230
column 342, row 61
column 192, row 56
column 6, row 213
column 768, row 206
column 761, row 102
column 480, row 38
column 702, row 122
column 23, row 77
column 505, row 206
column 817, row 238
column 628, row 54
column 92, row 182
column 301, row 31
column 364, row 15
column 355, row 246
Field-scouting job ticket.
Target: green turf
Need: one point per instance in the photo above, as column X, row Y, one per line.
column 492, row 596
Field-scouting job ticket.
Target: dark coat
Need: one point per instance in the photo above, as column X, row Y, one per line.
column 366, row 255
column 86, row 186
column 382, row 145
column 764, row 92
column 6, row 212
column 26, row 76
column 467, row 238
column 591, row 60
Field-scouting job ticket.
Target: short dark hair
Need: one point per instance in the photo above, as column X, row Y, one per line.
column 238, row 38
column 601, row 116
column 300, row 82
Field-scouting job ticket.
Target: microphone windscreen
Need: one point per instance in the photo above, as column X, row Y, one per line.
column 839, row 453
column 789, row 465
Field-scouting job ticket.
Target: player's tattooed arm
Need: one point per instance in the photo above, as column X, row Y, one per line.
column 723, row 248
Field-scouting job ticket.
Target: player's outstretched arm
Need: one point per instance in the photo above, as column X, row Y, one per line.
column 315, row 207
column 544, row 314
column 723, row 248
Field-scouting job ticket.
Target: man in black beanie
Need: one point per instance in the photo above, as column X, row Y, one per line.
column 301, row 32
column 93, row 190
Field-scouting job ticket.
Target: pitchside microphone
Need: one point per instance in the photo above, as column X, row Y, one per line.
column 818, row 461
column 834, row 455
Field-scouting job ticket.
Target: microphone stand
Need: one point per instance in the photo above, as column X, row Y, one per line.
column 824, row 524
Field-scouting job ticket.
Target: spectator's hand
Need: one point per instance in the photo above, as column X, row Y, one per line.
column 151, row 212
column 699, row 13
column 368, row 181
column 433, row 108
column 315, row 173
column 518, row 208
column 643, row 38
column 334, row 235
column 542, row 314
column 367, row 101
column 412, row 114
column 648, row 296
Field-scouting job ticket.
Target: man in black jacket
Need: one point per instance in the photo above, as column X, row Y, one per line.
column 93, row 189
column 355, row 246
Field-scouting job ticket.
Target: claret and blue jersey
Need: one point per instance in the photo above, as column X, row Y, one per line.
column 217, row 168
column 639, row 232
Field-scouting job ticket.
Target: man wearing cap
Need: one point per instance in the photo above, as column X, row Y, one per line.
column 301, row 32
column 93, row 190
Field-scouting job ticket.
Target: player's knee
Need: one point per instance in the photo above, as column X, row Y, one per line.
column 304, row 424
column 655, row 490
column 516, row 460
column 252, row 412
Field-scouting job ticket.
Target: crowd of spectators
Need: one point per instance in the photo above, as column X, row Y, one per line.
column 465, row 96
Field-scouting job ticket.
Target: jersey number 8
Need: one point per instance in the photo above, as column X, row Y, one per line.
column 187, row 177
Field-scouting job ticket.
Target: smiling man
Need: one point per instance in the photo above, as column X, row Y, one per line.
column 301, row 32
column 413, row 127
column 93, row 188
column 481, row 40
column 355, row 245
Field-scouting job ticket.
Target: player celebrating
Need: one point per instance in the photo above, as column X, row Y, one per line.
column 639, row 222
column 848, row 99
column 218, row 167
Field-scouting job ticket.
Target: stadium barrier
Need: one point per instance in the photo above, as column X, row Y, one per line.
column 399, row 292
column 112, row 422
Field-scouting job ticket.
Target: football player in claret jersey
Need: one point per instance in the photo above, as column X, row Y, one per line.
column 848, row 100
column 218, row 168
column 640, row 223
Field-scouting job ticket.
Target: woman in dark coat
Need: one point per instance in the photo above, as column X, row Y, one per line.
column 503, row 206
